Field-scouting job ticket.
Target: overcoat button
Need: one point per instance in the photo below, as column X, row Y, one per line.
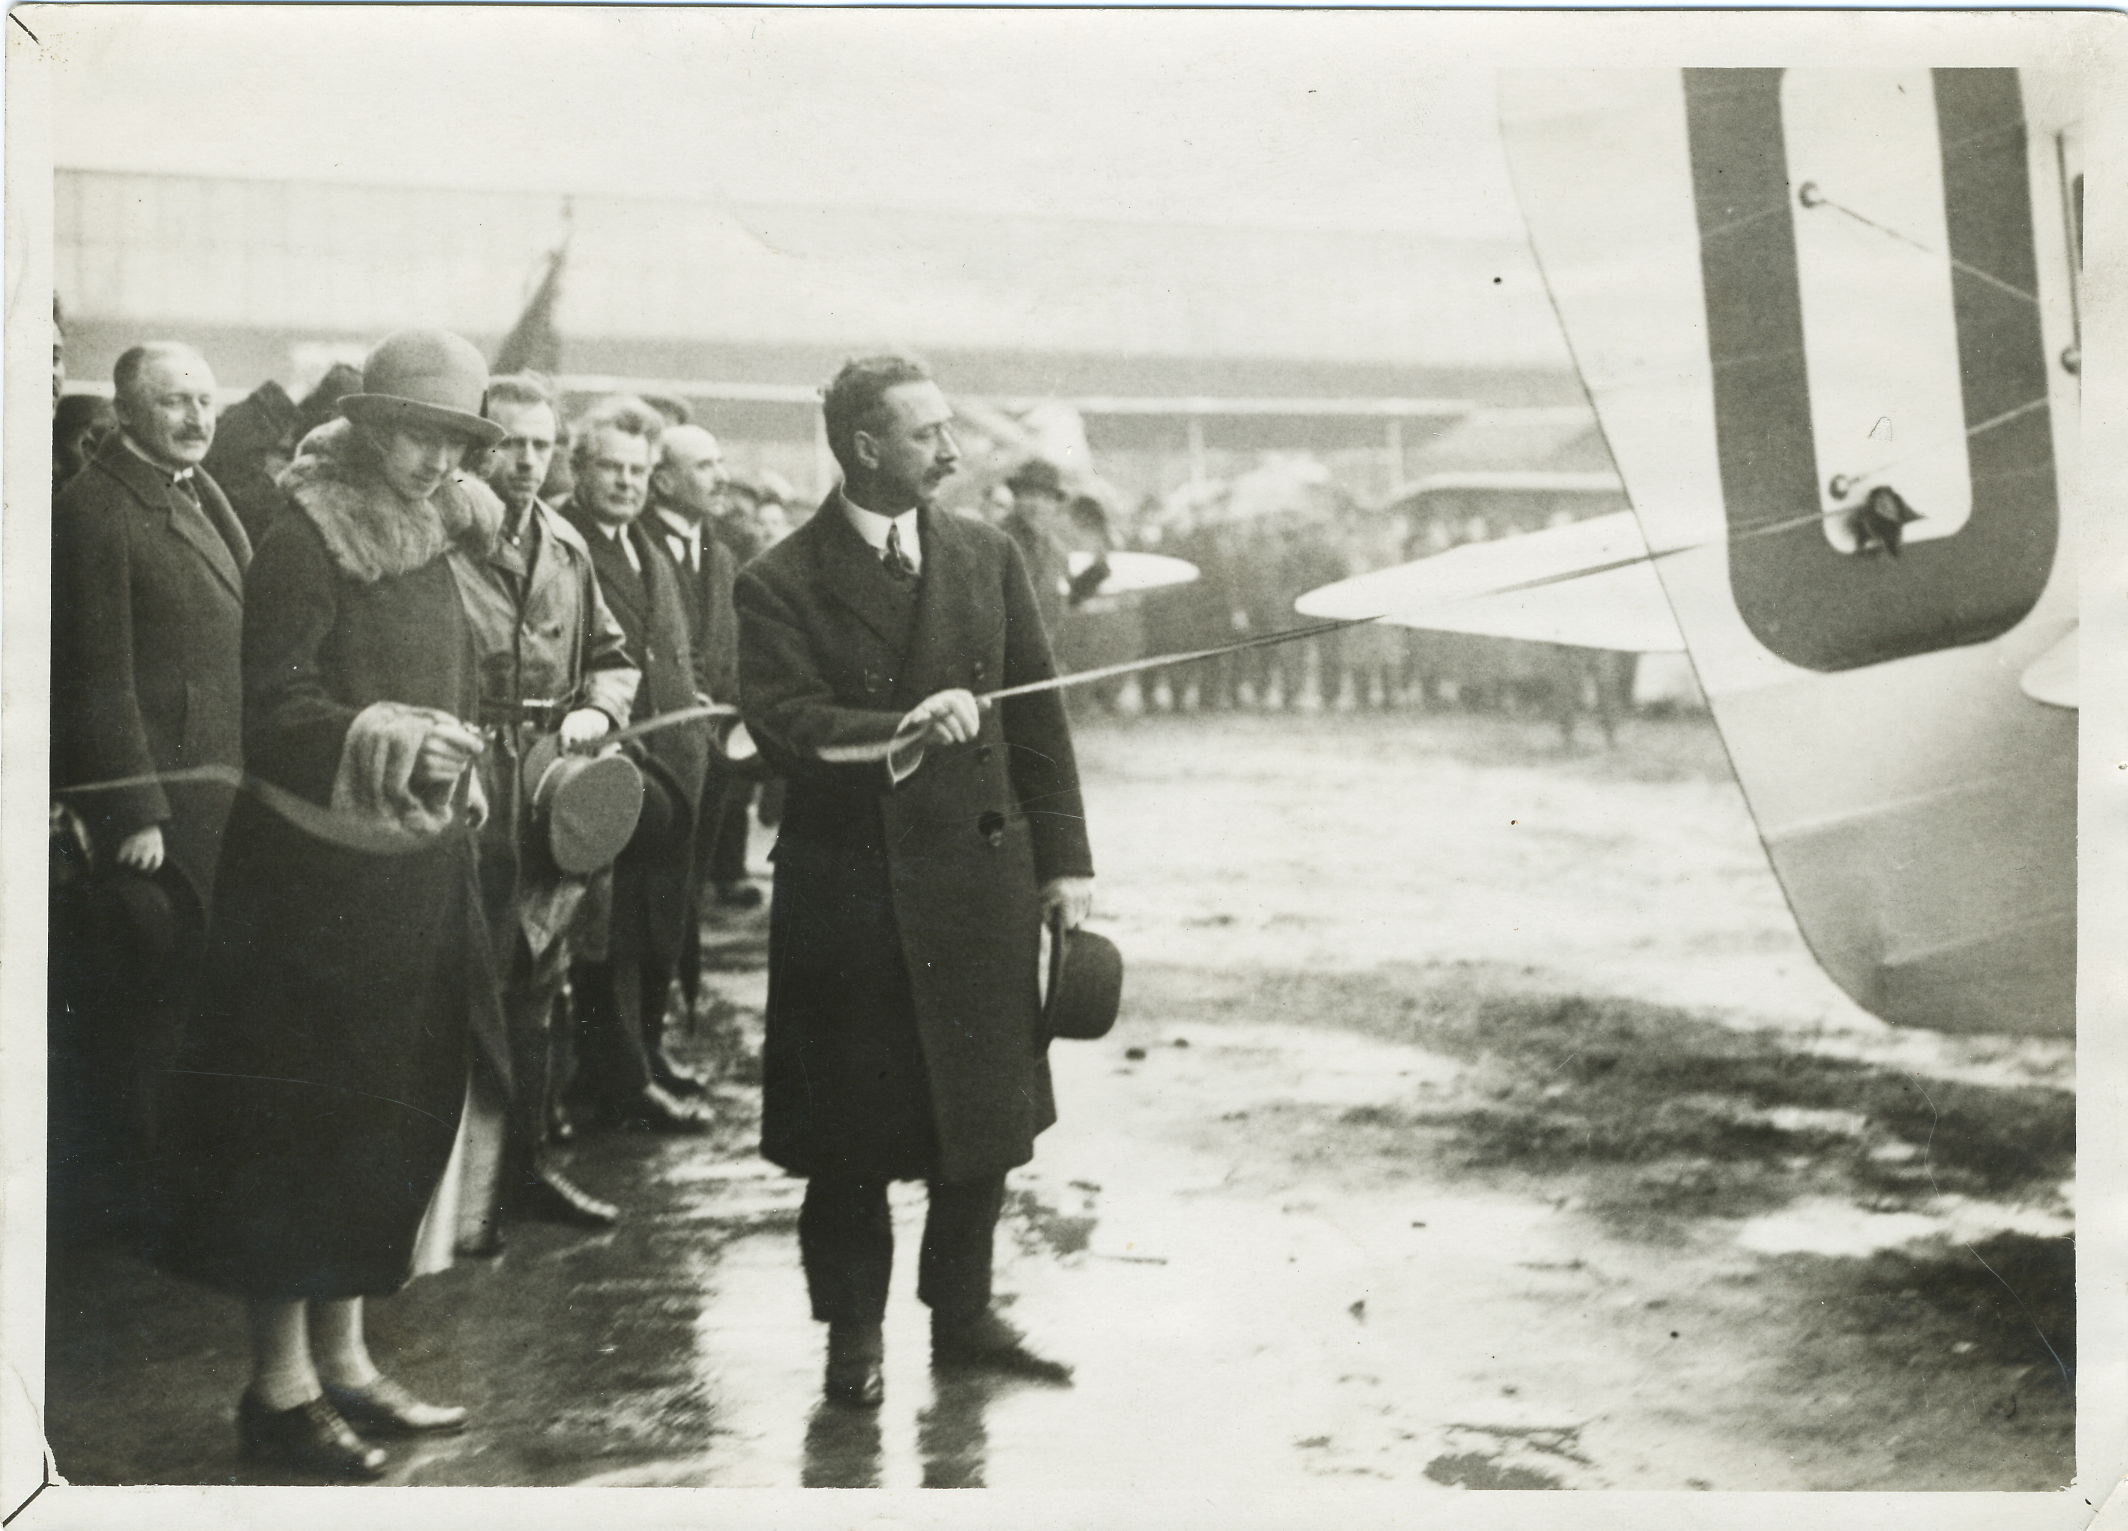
column 983, row 752
column 992, row 827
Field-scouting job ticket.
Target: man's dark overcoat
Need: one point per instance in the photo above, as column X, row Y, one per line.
column 652, row 877
column 322, row 1082
column 903, row 1032
column 147, row 623
column 713, row 635
column 147, row 617
column 706, row 592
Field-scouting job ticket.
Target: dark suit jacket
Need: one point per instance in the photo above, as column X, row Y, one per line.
column 906, row 919
column 147, row 627
column 712, row 623
column 653, row 617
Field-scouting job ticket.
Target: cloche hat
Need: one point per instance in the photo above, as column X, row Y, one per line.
column 428, row 375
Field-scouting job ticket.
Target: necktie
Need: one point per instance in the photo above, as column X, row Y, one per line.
column 186, row 506
column 895, row 559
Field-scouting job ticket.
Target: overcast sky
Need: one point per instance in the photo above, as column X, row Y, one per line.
column 1350, row 121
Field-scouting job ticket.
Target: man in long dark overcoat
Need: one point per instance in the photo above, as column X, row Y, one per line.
column 622, row 992
column 147, row 622
column 684, row 490
column 904, row 1036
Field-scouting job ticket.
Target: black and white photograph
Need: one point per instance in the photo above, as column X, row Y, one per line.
column 1210, row 767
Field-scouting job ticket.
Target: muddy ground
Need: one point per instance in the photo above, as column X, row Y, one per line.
column 1477, row 1120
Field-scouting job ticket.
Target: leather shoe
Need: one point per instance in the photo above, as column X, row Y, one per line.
column 311, row 1438
column 987, row 1342
column 738, row 895
column 383, row 1407
column 655, row 1110
column 854, row 1378
column 548, row 1196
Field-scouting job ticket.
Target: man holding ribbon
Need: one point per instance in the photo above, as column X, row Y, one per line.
column 925, row 835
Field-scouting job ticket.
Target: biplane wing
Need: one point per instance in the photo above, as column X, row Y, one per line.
column 1827, row 320
column 1525, row 586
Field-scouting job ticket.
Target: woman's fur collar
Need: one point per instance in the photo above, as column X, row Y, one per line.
column 372, row 534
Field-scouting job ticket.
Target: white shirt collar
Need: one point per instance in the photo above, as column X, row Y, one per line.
column 872, row 526
column 174, row 475
column 618, row 534
column 679, row 526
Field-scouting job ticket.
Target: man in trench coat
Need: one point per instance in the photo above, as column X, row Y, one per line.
column 552, row 659
column 904, row 1036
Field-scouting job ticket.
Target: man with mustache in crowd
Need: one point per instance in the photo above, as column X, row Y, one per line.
column 552, row 661
column 147, row 621
column 623, row 982
column 904, row 1038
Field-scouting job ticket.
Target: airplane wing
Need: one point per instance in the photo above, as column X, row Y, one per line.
column 2051, row 678
column 1787, row 290
column 1523, row 587
column 1130, row 571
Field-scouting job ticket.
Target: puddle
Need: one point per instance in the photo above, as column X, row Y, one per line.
column 1470, row 1469
column 1826, row 1227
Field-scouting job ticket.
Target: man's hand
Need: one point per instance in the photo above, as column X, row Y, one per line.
column 584, row 725
column 142, row 850
column 445, row 753
column 1073, row 895
column 948, row 717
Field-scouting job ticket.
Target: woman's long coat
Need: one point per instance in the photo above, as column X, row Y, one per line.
column 322, row 1082
column 903, row 1031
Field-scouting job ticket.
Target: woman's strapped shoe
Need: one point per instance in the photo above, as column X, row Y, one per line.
column 310, row 1438
column 383, row 1407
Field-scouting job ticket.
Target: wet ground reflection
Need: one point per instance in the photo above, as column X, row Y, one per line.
column 1278, row 1233
column 842, row 1448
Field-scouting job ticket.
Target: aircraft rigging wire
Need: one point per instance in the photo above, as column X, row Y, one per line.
column 1939, row 443
column 1811, row 195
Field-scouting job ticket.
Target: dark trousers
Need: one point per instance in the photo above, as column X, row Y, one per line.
column 846, row 1240
column 620, row 1026
column 727, row 858
column 117, row 1016
column 531, row 986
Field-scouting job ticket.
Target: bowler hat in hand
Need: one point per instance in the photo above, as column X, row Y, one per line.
column 1085, row 982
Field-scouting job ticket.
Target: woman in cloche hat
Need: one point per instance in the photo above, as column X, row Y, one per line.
column 321, row 1090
